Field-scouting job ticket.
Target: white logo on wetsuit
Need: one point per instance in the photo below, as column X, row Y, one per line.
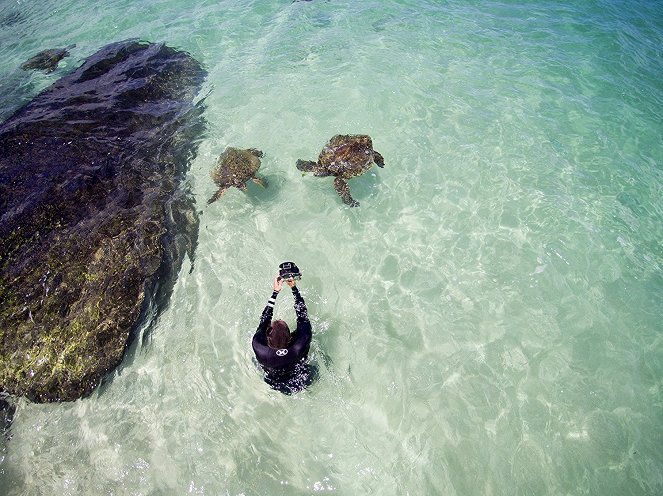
column 282, row 352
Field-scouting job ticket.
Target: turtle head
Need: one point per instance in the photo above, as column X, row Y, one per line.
column 306, row 165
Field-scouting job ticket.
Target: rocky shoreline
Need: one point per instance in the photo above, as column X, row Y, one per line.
column 95, row 215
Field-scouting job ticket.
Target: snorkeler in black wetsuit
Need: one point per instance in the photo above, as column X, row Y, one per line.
column 281, row 354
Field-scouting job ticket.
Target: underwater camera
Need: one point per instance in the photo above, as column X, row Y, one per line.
column 289, row 270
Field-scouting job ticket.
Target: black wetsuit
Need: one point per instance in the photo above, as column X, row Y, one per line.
column 286, row 369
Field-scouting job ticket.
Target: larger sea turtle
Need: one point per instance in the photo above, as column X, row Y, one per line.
column 46, row 60
column 234, row 168
column 344, row 156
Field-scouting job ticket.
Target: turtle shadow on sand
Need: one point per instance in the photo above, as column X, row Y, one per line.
column 46, row 60
column 235, row 167
column 344, row 156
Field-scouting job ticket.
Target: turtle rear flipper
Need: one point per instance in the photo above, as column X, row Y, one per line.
column 378, row 159
column 343, row 190
column 260, row 181
column 216, row 195
column 306, row 165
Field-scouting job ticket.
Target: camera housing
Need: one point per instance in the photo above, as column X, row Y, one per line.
column 289, row 270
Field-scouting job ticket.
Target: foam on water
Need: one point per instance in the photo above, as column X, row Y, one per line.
column 487, row 322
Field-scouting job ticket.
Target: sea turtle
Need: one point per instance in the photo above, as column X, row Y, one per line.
column 344, row 156
column 234, row 168
column 47, row 60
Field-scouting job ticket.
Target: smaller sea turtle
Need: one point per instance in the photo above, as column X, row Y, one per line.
column 47, row 60
column 234, row 168
column 345, row 156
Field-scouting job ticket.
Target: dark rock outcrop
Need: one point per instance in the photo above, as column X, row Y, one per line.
column 95, row 218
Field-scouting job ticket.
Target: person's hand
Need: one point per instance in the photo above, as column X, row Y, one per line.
column 278, row 283
column 292, row 283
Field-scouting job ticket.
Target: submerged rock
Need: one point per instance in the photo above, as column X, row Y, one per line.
column 7, row 411
column 94, row 216
column 46, row 60
column 11, row 19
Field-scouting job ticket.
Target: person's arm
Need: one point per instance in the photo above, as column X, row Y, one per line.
column 300, row 306
column 304, row 332
column 266, row 317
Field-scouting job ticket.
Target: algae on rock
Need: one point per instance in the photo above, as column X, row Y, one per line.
column 95, row 216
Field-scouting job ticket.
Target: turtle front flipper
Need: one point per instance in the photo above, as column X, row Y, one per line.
column 378, row 159
column 216, row 195
column 306, row 165
column 343, row 190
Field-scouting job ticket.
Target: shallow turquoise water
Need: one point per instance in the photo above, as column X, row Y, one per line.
column 487, row 322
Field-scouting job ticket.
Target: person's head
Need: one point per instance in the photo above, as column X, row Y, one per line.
column 278, row 335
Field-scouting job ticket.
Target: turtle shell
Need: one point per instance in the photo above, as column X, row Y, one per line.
column 236, row 166
column 347, row 155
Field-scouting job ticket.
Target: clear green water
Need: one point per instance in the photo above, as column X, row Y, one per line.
column 488, row 322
